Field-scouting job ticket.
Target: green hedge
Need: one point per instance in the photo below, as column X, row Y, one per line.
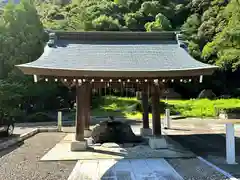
column 39, row 117
column 235, row 110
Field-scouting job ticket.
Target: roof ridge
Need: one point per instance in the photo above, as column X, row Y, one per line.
column 115, row 35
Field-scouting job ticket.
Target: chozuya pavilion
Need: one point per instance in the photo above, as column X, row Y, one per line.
column 145, row 59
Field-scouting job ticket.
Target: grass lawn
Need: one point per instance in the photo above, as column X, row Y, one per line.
column 119, row 106
column 202, row 107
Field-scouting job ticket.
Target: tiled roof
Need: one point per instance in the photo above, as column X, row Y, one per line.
column 117, row 52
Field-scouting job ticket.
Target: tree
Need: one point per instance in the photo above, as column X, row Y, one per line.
column 105, row 23
column 23, row 30
column 194, row 50
column 161, row 23
column 226, row 44
column 181, row 13
column 207, row 30
column 199, row 6
column 121, row 2
column 21, row 40
column 133, row 14
column 151, row 8
column 190, row 27
column 3, row 51
column 133, row 21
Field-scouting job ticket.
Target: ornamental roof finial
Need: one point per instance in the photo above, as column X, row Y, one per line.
column 52, row 39
column 180, row 41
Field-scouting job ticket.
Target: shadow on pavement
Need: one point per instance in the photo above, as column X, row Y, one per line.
column 95, row 121
column 212, row 147
column 3, row 138
column 10, row 148
column 177, row 129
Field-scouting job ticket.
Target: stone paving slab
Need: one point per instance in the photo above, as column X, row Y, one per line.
column 134, row 169
column 62, row 151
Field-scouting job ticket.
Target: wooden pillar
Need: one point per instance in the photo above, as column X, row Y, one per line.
column 80, row 89
column 145, row 113
column 87, row 104
column 156, row 121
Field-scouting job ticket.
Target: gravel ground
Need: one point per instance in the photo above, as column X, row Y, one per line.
column 22, row 162
column 194, row 169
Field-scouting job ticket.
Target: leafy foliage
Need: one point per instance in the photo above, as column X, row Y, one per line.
column 104, row 22
column 20, row 28
column 215, row 29
column 211, row 29
column 190, row 27
column 122, row 14
column 188, row 108
column 161, row 23
column 225, row 47
column 22, row 40
column 212, row 34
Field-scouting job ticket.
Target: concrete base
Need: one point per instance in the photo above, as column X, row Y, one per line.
column 87, row 133
column 146, row 132
column 157, row 143
column 78, row 145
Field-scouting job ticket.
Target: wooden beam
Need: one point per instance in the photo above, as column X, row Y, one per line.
column 121, row 79
column 114, row 74
column 71, row 80
column 156, row 121
column 80, row 89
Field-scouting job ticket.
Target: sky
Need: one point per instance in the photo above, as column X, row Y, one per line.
column 6, row 1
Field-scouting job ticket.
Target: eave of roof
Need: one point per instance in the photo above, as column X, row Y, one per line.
column 116, row 54
column 116, row 74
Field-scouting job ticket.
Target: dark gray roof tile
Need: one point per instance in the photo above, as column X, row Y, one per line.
column 125, row 56
column 117, row 55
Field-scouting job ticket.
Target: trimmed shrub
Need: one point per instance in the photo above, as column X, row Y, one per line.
column 39, row 117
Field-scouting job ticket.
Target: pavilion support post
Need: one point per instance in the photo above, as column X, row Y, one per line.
column 156, row 121
column 145, row 130
column 157, row 141
column 87, row 110
column 79, row 143
column 80, row 112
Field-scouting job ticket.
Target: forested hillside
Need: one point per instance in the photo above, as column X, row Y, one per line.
column 211, row 29
column 115, row 15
